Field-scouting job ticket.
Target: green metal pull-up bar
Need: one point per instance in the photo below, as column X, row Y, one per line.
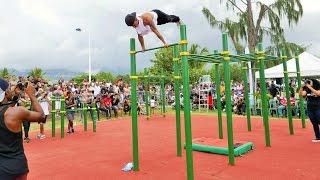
column 160, row 47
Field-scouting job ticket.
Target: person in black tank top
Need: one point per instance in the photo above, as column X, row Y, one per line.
column 13, row 162
column 311, row 90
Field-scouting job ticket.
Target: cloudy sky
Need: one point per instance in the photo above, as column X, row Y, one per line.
column 41, row 33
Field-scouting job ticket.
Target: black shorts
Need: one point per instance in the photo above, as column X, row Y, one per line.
column 164, row 18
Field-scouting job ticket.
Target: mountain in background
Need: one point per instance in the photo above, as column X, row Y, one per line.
column 55, row 74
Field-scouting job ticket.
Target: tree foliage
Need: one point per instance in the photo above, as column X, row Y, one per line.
column 267, row 23
column 6, row 74
column 235, row 68
column 37, row 73
column 163, row 64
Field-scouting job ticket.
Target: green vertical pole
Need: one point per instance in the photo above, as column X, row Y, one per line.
column 85, row 117
column 218, row 93
column 246, row 94
column 146, row 92
column 301, row 99
column 134, row 116
column 227, row 82
column 177, row 78
column 63, row 113
column 265, row 111
column 163, row 95
column 94, row 119
column 186, row 101
column 284, row 59
column 53, row 116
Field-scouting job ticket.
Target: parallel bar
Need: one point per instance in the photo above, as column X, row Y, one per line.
column 53, row 116
column 94, row 119
column 177, row 100
column 163, row 94
column 201, row 59
column 227, row 82
column 62, row 114
column 218, row 93
column 85, row 117
column 187, row 115
column 160, row 47
column 146, row 93
column 246, row 95
column 301, row 99
column 265, row 110
column 286, row 83
column 204, row 56
column 134, row 115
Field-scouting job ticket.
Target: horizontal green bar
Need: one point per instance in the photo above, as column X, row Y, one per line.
column 157, row 48
column 204, row 60
column 205, row 56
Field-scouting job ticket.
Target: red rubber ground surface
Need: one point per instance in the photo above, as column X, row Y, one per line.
column 103, row 154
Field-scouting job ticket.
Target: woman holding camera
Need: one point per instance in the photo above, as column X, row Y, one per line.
column 311, row 90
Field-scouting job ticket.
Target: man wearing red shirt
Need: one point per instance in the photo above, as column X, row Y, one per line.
column 105, row 105
column 283, row 104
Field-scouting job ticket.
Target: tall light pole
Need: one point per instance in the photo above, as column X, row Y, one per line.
column 89, row 58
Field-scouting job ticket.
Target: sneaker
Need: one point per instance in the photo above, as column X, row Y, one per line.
column 72, row 130
column 316, row 140
column 69, row 132
column 26, row 139
column 38, row 136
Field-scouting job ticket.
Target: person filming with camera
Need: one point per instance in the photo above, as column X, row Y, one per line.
column 311, row 91
column 13, row 162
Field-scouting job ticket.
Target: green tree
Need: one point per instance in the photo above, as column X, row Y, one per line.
column 125, row 78
column 267, row 23
column 162, row 63
column 236, row 72
column 4, row 73
column 37, row 73
column 80, row 78
column 105, row 76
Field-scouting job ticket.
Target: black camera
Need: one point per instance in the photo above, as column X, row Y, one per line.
column 307, row 82
column 22, row 86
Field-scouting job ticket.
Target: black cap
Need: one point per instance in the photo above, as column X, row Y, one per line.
column 3, row 87
column 130, row 18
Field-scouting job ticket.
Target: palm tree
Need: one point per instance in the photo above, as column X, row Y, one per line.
column 253, row 32
column 196, row 49
column 6, row 74
column 36, row 73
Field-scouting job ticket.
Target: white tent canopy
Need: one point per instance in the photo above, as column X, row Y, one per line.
column 309, row 66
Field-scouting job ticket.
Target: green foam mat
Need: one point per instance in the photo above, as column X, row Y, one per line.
column 220, row 146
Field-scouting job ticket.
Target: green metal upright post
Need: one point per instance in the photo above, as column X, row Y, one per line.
column 218, row 94
column 53, row 117
column 265, row 110
column 186, row 94
column 94, row 119
column 63, row 113
column 146, row 92
column 246, row 94
column 177, row 79
column 134, row 115
column 227, row 82
column 85, row 117
column 284, row 59
column 301, row 99
column 163, row 95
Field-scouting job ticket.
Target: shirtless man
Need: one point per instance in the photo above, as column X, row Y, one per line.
column 147, row 22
